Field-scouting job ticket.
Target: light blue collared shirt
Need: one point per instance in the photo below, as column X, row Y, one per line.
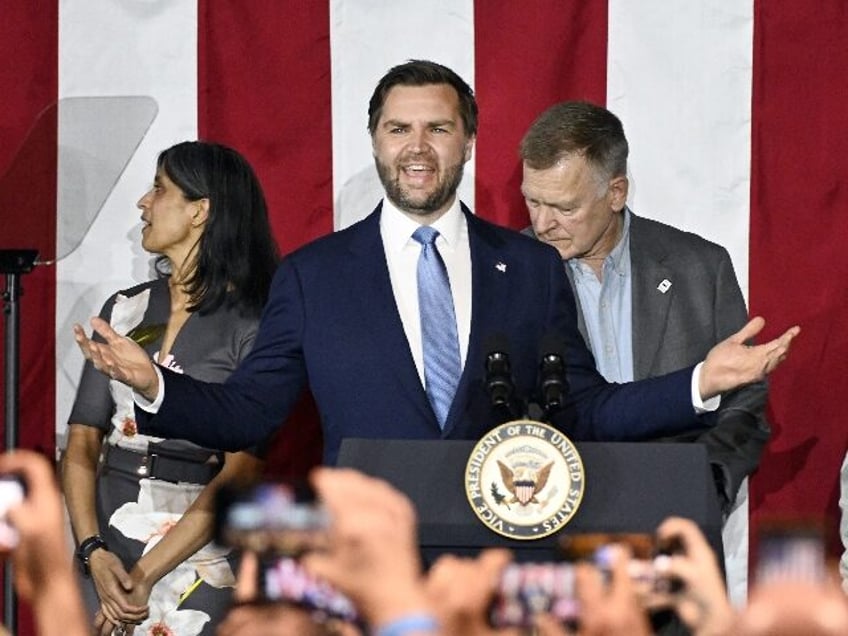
column 607, row 307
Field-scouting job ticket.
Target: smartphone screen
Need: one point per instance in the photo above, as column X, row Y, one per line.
column 12, row 493
column 271, row 517
column 529, row 588
column 791, row 551
column 283, row 579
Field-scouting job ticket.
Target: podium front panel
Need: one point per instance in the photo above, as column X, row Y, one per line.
column 630, row 487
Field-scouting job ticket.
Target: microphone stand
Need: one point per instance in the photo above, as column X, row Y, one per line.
column 13, row 263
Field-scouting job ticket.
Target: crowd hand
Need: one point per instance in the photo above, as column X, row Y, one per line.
column 461, row 591
column 118, row 357
column 732, row 363
column 249, row 618
column 701, row 602
column 41, row 554
column 116, row 590
column 793, row 607
column 608, row 608
column 372, row 550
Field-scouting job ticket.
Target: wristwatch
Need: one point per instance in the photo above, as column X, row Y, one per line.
column 86, row 547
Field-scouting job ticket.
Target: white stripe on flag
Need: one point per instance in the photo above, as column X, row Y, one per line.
column 109, row 48
column 366, row 39
column 680, row 80
column 681, row 84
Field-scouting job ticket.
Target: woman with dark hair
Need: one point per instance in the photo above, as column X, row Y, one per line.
column 142, row 507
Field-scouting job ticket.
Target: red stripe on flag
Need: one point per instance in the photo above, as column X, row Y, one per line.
column 264, row 88
column 529, row 56
column 29, row 84
column 799, row 228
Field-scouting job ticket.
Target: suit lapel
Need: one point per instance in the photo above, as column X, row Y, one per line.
column 650, row 304
column 491, row 276
column 377, row 305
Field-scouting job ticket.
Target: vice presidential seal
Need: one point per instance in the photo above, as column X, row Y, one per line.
column 525, row 480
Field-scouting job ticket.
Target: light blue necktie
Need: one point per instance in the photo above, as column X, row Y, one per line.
column 438, row 325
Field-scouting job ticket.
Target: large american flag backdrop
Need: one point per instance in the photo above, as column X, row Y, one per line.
column 736, row 114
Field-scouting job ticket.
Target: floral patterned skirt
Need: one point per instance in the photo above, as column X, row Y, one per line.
column 133, row 515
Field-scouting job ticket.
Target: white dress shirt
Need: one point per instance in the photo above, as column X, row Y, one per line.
column 402, row 252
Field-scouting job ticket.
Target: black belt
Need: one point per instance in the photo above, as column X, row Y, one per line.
column 155, row 465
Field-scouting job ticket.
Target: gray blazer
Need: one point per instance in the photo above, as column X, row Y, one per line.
column 676, row 329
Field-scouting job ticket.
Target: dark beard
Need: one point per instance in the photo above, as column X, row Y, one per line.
column 434, row 202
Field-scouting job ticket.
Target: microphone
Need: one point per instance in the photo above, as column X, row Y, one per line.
column 499, row 384
column 553, row 385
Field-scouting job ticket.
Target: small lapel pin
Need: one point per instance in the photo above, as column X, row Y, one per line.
column 664, row 286
column 500, row 266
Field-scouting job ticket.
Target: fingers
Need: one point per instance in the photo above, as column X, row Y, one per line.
column 778, row 349
column 755, row 326
column 98, row 353
column 113, row 584
column 785, row 341
column 687, row 532
column 108, row 616
column 91, row 351
column 246, row 588
column 105, row 331
column 462, row 589
column 117, row 611
column 547, row 625
column 125, row 581
column 751, row 329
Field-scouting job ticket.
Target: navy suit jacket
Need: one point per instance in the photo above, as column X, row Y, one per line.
column 331, row 323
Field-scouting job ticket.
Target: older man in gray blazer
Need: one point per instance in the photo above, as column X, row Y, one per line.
column 651, row 298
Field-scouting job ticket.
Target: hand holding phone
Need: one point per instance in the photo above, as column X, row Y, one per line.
column 277, row 518
column 700, row 599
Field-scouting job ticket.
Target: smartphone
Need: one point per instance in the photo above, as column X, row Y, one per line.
column 283, row 580
column 12, row 493
column 278, row 518
column 791, row 551
column 526, row 589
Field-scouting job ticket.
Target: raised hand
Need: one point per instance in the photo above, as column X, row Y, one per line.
column 251, row 618
column 461, row 591
column 733, row 363
column 118, row 357
column 372, row 550
column 42, row 562
column 702, row 603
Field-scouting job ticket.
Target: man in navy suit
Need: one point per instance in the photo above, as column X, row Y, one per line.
column 343, row 315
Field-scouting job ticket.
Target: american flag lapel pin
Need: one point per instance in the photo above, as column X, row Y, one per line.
column 664, row 286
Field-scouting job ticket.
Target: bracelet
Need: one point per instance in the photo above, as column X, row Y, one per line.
column 408, row 624
column 86, row 547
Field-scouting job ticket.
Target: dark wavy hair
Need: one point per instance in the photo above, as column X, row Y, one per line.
column 423, row 73
column 237, row 254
